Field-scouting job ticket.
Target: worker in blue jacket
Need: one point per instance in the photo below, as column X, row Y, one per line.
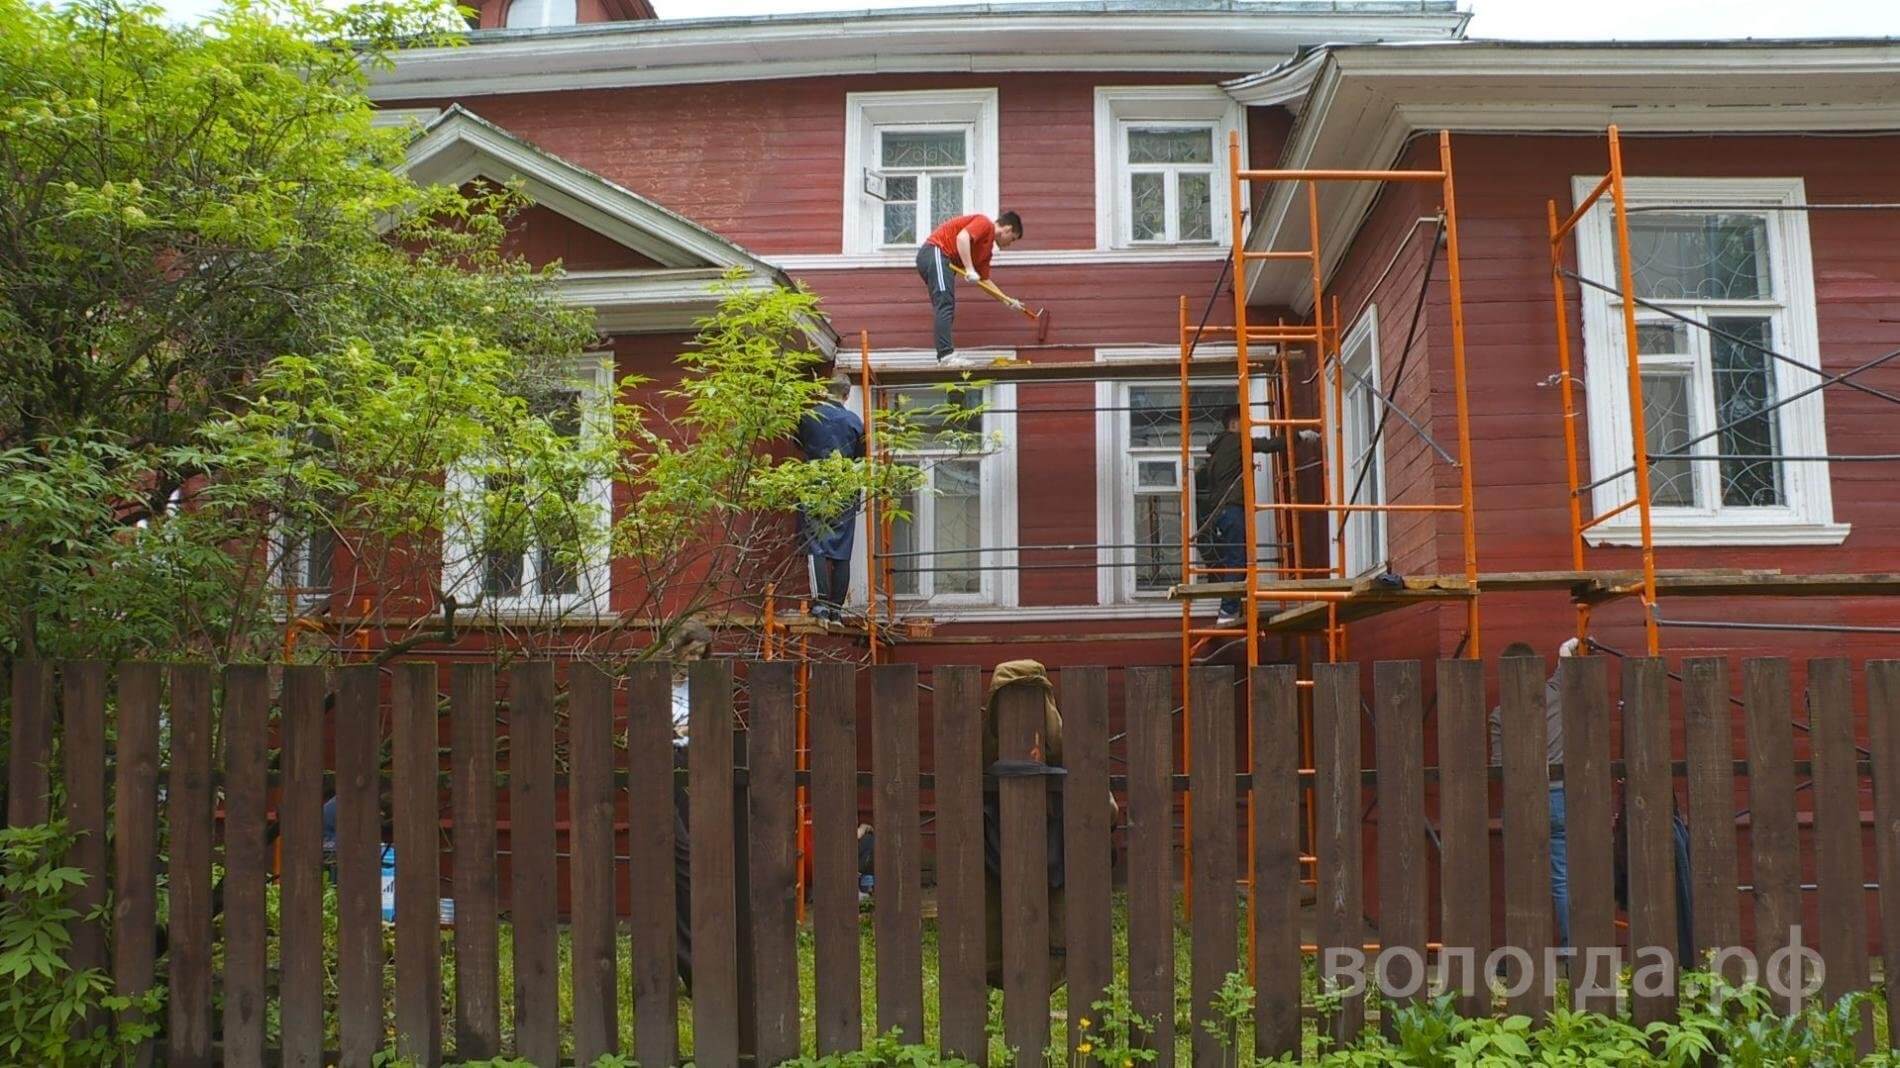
column 830, row 429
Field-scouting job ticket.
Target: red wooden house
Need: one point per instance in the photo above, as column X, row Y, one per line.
column 662, row 151
column 820, row 148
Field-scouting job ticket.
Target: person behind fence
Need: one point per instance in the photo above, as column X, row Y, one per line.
column 1029, row 673
column 830, row 429
column 1559, row 840
column 1220, row 504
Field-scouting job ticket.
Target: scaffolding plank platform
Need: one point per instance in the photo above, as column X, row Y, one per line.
column 1053, row 371
column 1756, row 584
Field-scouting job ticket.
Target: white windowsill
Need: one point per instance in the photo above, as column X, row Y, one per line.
column 1721, row 533
column 907, row 257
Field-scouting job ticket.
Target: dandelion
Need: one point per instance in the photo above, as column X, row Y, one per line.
column 1083, row 1023
column 1083, row 1047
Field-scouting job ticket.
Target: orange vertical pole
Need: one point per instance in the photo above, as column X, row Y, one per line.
column 1323, row 353
column 872, row 510
column 1340, row 460
column 1455, row 277
column 1567, row 390
column 1292, row 522
column 1639, row 435
column 802, row 818
column 1187, row 618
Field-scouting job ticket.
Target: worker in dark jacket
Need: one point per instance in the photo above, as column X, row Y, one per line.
column 1220, row 506
column 830, row 429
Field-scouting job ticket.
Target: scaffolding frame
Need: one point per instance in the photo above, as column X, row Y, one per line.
column 1650, row 583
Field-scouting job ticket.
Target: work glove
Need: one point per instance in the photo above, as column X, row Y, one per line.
column 972, row 276
column 1309, row 436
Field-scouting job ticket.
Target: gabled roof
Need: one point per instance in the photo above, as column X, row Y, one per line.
column 458, row 146
column 1362, row 103
column 1106, row 35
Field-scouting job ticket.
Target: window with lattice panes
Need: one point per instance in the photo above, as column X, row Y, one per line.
column 1169, row 182
column 1725, row 332
column 926, row 181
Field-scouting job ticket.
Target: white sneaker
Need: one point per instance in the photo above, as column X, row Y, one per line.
column 955, row 359
column 1226, row 620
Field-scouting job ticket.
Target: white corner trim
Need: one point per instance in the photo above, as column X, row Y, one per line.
column 418, row 117
column 865, row 112
column 1115, row 106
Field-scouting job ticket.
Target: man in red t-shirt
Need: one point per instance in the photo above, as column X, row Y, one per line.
column 962, row 246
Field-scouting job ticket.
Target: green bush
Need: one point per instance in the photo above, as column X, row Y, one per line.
column 50, row 1014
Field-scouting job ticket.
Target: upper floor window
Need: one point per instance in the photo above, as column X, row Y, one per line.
column 1161, row 164
column 1726, row 291
column 913, row 160
column 1364, row 475
column 306, row 562
column 926, row 178
column 540, row 14
column 1170, row 182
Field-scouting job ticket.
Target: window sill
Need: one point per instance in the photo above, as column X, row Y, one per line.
column 1720, row 533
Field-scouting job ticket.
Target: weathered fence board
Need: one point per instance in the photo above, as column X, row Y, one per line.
column 1584, row 684
column 1709, row 734
column 713, row 867
column 300, row 827
column 1883, row 733
column 834, row 801
column 472, row 795
column 1838, row 859
column 83, row 759
column 1211, row 791
column 1527, row 904
column 1464, row 818
column 359, row 850
column 770, row 762
column 1338, row 793
column 531, row 830
column 135, row 836
column 1276, row 846
column 1151, row 701
column 962, row 995
column 653, row 886
column 1771, row 804
column 246, row 862
column 417, row 826
column 1399, row 750
column 1024, row 801
column 1086, row 815
column 30, row 747
column 188, row 803
column 590, row 800
column 898, row 925
column 1651, row 807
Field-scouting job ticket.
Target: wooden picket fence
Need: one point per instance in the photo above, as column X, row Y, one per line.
column 236, row 759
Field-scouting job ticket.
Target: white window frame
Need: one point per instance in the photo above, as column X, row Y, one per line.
column 290, row 564
column 925, row 177
column 1807, row 517
column 1119, row 107
column 464, row 563
column 867, row 114
column 1366, row 532
column 548, row 20
column 1117, row 467
column 998, row 587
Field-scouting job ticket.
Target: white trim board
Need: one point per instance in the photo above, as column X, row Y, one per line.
column 1105, row 35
